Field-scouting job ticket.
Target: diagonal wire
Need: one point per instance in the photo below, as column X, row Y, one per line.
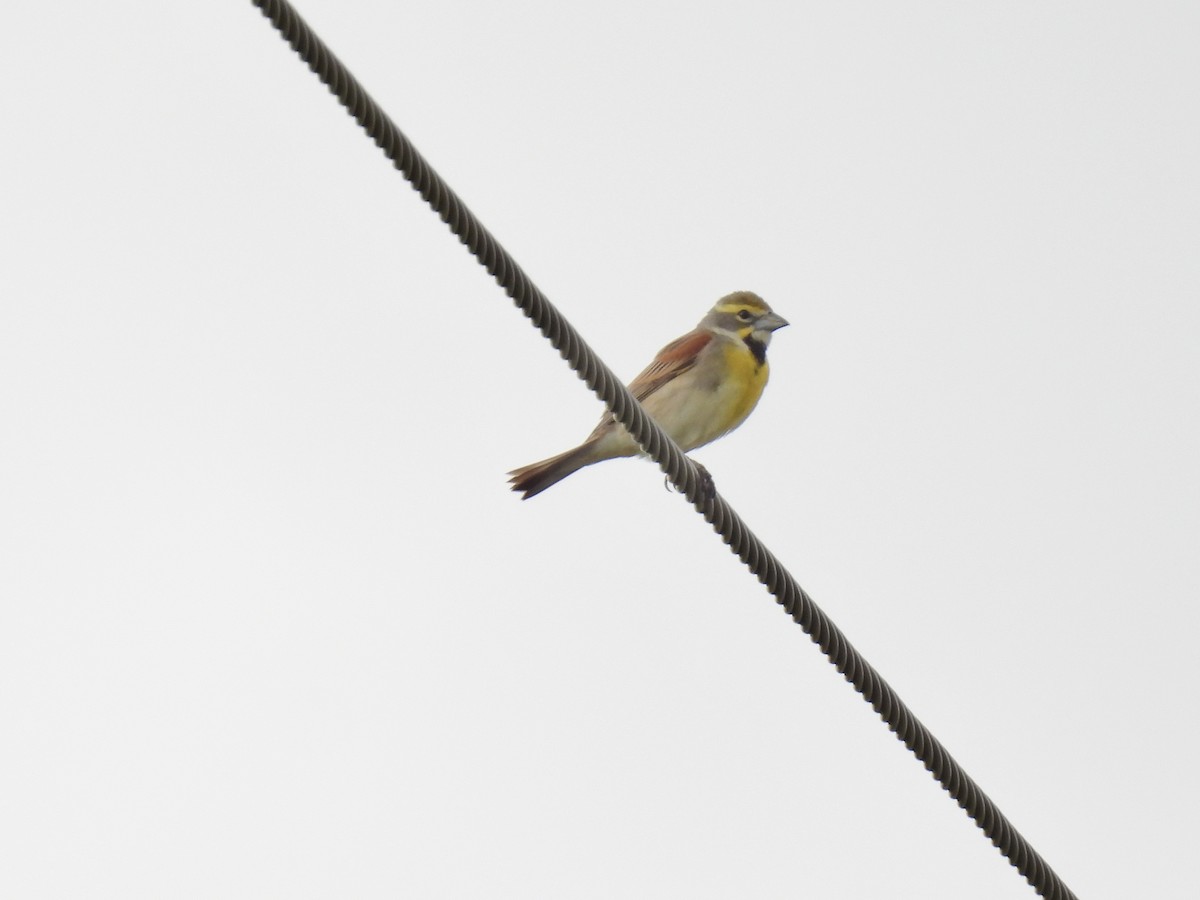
column 682, row 472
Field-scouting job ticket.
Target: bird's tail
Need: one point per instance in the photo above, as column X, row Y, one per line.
column 531, row 480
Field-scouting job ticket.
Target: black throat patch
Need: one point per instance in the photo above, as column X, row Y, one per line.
column 758, row 348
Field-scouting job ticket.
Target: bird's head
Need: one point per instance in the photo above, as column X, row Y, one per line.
column 745, row 316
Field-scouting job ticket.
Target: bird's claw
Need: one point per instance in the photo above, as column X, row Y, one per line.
column 708, row 488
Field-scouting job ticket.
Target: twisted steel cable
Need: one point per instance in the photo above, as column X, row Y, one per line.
column 682, row 472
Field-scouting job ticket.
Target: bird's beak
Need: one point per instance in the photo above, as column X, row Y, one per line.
column 771, row 322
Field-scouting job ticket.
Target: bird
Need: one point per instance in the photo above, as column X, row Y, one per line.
column 699, row 387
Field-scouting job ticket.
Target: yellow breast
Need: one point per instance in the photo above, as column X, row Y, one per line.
column 710, row 399
column 745, row 379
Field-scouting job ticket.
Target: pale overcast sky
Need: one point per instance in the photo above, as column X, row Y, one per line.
column 272, row 624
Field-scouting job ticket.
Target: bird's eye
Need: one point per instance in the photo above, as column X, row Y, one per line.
column 745, row 315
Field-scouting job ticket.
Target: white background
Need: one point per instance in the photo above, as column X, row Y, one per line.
column 272, row 625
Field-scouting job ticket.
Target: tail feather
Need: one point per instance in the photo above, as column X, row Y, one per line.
column 531, row 480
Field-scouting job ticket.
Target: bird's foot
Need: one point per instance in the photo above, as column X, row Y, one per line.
column 708, row 489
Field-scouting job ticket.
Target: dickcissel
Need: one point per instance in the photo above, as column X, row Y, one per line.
column 699, row 387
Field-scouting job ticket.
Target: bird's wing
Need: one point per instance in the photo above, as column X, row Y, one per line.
column 672, row 361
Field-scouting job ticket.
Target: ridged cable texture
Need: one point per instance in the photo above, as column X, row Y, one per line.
column 682, row 473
